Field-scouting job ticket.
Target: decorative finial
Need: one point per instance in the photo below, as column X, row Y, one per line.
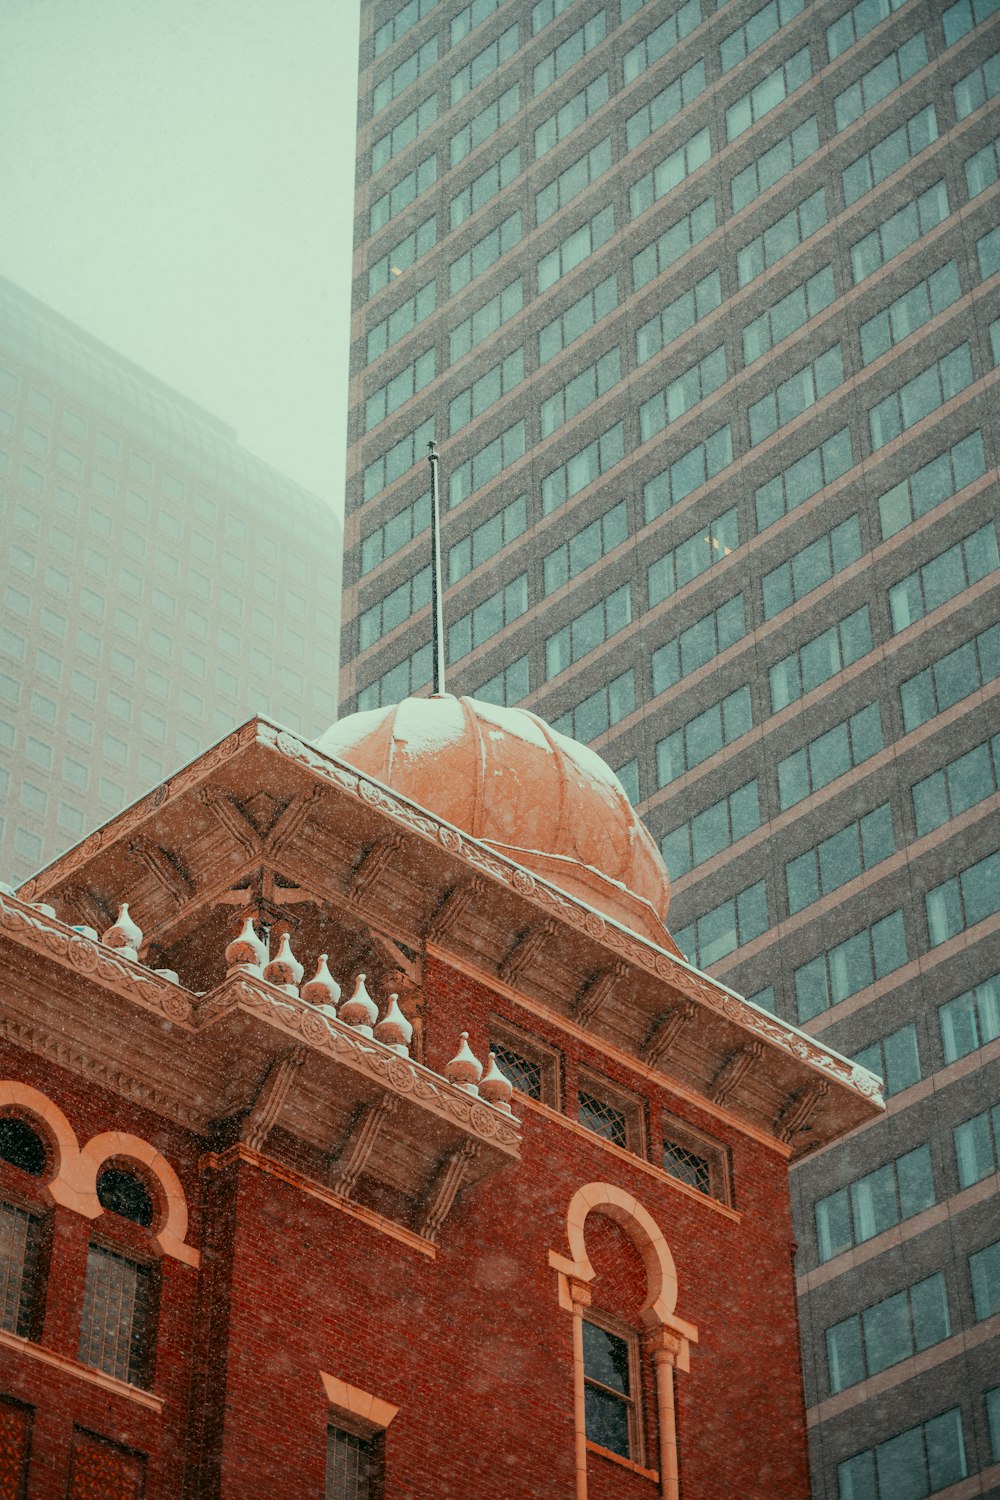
column 322, row 989
column 495, row 1087
column 360, row 1011
column 246, row 954
column 284, row 969
column 123, row 935
column 394, row 1030
column 465, row 1069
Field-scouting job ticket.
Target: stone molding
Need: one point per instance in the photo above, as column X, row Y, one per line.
column 644, row 1232
column 73, row 1180
column 361, row 1406
column 82, row 1372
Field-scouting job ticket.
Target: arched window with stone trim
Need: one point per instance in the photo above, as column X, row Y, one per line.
column 118, row 1317
column 620, row 1285
column 617, row 1375
column 26, row 1162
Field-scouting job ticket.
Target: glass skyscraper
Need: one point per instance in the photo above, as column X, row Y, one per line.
column 160, row 585
column 701, row 303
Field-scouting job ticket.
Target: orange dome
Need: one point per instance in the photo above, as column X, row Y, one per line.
column 503, row 776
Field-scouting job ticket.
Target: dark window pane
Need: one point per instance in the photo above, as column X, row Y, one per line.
column 605, row 1358
column 122, row 1193
column 607, row 1420
column 21, row 1146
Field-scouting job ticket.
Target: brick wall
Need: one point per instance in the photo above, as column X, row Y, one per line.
column 472, row 1345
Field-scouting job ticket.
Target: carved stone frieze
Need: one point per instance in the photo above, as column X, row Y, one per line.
column 49, row 936
column 53, row 1045
column 299, row 1019
column 323, row 1034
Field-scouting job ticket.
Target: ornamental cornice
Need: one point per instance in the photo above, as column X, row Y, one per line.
column 322, row 1034
column 640, row 952
column 192, row 1014
column 636, row 950
column 90, row 958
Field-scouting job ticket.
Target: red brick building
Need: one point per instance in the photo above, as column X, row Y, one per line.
column 260, row 1237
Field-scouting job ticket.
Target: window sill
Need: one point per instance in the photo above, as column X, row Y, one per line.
column 82, row 1372
column 625, row 1463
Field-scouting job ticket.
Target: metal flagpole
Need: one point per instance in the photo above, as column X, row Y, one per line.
column 437, row 589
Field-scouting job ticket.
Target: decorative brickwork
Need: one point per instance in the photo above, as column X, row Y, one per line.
column 101, row 1470
column 15, row 1439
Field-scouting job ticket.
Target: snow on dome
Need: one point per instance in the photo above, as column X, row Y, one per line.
column 516, row 721
column 503, row 776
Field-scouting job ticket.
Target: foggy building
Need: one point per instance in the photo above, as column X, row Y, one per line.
column 159, row 583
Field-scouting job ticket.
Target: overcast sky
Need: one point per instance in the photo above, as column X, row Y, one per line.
column 177, row 178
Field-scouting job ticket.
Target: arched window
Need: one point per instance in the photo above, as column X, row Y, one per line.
column 21, row 1146
column 122, row 1193
column 116, row 1325
column 619, row 1256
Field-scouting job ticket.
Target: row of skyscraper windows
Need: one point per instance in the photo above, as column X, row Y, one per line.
column 823, row 557
column 961, row 902
column 649, row 50
column 934, row 482
column 905, row 1187
column 903, row 408
column 416, row 245
column 870, row 252
column 941, row 578
column 894, row 413
column 910, row 404
column 932, row 1455
column 895, row 69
